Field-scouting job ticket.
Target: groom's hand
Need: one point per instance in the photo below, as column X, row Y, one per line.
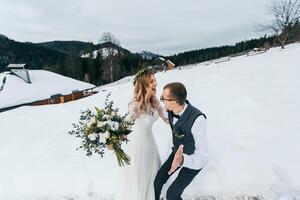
column 178, row 159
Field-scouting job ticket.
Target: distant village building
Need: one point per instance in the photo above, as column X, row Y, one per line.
column 160, row 64
column 170, row 64
column 20, row 71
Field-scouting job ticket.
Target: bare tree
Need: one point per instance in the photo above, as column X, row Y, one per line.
column 285, row 17
column 110, row 50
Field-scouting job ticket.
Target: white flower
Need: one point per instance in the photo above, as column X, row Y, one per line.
column 129, row 127
column 92, row 136
column 92, row 121
column 89, row 124
column 129, row 118
column 105, row 116
column 114, row 126
column 113, row 113
column 100, row 124
column 109, row 123
column 106, row 134
column 104, row 137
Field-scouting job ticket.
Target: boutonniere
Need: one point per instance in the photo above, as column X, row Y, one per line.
column 179, row 135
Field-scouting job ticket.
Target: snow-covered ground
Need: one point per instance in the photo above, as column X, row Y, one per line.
column 252, row 105
column 44, row 85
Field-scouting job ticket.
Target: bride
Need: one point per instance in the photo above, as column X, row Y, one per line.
column 137, row 179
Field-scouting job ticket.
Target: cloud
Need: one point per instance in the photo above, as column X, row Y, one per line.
column 167, row 27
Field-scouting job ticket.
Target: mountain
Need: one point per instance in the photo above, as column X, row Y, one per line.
column 67, row 47
column 66, row 58
column 80, row 48
column 4, row 60
column 147, row 55
column 35, row 56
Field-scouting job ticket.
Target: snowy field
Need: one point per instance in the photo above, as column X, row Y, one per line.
column 252, row 105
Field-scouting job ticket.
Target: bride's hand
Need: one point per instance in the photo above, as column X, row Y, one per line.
column 124, row 137
column 109, row 147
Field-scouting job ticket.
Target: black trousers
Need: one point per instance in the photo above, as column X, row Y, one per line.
column 183, row 179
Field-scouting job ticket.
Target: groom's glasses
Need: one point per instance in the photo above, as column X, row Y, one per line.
column 163, row 99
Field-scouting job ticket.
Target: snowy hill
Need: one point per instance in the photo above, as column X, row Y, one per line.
column 147, row 55
column 252, row 105
column 44, row 84
column 103, row 52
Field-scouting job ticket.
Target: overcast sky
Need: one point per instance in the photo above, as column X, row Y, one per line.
column 161, row 26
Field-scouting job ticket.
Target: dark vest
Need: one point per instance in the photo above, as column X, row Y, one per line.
column 181, row 130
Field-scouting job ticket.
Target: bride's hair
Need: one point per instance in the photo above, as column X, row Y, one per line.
column 145, row 100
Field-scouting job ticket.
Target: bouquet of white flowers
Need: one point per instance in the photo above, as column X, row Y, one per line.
column 105, row 128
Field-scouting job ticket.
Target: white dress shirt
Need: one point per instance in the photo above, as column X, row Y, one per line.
column 200, row 157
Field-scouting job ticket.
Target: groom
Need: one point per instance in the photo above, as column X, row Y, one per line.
column 189, row 152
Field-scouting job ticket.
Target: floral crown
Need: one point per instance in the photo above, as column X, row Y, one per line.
column 140, row 73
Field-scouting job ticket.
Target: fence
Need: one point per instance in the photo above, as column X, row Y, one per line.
column 253, row 52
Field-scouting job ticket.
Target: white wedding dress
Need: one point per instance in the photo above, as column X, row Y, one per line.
column 137, row 179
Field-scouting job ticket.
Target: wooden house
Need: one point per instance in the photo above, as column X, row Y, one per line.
column 161, row 64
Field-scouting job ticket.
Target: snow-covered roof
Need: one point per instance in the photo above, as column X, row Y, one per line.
column 22, row 73
column 170, row 62
column 44, row 85
column 14, row 66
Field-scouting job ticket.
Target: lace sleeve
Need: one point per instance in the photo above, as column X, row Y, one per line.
column 161, row 111
column 133, row 109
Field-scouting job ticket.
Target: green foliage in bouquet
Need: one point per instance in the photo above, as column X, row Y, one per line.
column 104, row 128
